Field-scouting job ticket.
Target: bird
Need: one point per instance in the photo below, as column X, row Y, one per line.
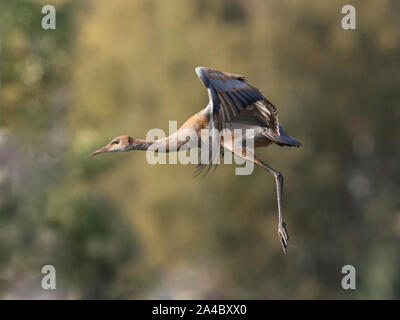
column 233, row 104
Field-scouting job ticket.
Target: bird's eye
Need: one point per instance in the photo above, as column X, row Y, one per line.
column 115, row 142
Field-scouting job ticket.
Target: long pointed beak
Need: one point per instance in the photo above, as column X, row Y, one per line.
column 101, row 150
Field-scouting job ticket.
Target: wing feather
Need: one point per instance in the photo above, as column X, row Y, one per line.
column 230, row 93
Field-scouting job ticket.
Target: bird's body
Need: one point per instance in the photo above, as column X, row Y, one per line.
column 238, row 111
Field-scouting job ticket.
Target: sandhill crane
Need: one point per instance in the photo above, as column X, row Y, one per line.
column 233, row 103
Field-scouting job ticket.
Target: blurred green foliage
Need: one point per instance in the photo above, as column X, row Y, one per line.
column 116, row 227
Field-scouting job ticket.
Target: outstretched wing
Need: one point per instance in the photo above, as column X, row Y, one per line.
column 230, row 93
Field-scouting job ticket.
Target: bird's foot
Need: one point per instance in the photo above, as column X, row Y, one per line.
column 283, row 235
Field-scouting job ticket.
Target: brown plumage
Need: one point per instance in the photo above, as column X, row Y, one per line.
column 233, row 104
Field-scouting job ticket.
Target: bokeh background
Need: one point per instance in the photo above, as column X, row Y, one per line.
column 115, row 226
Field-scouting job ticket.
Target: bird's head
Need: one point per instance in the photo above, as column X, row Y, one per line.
column 118, row 144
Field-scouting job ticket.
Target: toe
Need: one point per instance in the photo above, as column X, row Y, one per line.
column 283, row 243
column 283, row 236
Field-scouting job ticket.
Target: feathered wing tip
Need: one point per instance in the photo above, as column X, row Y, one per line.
column 292, row 142
column 200, row 168
column 214, row 152
column 212, row 160
column 283, row 139
column 230, row 93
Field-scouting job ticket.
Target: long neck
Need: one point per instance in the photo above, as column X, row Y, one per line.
column 141, row 144
column 174, row 142
column 169, row 144
column 161, row 145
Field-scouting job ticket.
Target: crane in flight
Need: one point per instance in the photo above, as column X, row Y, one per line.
column 233, row 104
